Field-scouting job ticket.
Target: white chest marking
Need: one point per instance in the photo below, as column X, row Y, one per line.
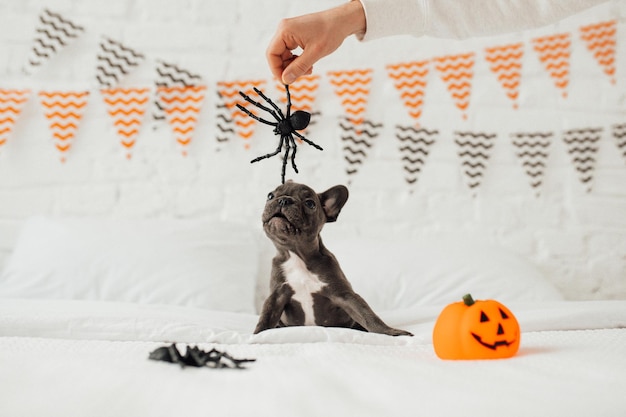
column 304, row 283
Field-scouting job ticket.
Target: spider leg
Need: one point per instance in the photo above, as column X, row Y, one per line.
column 264, row 97
column 269, row 155
column 293, row 153
column 313, row 144
column 285, row 157
column 261, row 106
column 254, row 116
column 288, row 100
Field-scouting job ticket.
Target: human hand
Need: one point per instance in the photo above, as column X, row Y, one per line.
column 317, row 34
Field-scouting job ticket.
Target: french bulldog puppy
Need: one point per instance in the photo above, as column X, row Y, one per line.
column 307, row 286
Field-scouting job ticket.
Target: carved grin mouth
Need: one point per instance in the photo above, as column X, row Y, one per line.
column 493, row 346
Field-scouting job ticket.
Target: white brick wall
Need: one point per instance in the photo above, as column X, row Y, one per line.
column 576, row 238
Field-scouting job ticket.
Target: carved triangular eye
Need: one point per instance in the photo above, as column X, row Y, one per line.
column 483, row 317
column 503, row 314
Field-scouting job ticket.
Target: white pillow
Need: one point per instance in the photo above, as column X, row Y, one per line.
column 438, row 271
column 179, row 262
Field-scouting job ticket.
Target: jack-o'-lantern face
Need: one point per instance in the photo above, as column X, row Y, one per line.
column 492, row 326
column 476, row 330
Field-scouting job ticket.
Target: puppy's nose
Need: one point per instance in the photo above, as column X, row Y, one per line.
column 285, row 201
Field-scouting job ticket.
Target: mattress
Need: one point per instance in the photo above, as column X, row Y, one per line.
column 90, row 358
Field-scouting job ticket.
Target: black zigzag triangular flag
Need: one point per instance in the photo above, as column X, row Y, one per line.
column 53, row 33
column 474, row 152
column 225, row 123
column 415, row 145
column 619, row 133
column 358, row 139
column 168, row 76
column 582, row 145
column 114, row 62
column 532, row 151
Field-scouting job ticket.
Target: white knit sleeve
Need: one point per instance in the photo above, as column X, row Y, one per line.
column 464, row 18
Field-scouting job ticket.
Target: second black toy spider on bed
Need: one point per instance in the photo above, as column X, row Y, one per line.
column 285, row 127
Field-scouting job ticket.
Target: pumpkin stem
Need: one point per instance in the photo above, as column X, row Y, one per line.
column 468, row 300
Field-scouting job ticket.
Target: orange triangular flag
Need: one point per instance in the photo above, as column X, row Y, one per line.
column 229, row 93
column 127, row 107
column 506, row 62
column 64, row 110
column 303, row 92
column 410, row 80
column 353, row 89
column 182, row 106
column 457, row 71
column 554, row 53
column 11, row 105
column 601, row 41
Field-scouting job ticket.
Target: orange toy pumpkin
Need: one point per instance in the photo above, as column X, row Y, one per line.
column 476, row 330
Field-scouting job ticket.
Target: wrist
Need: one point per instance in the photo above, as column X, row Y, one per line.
column 351, row 18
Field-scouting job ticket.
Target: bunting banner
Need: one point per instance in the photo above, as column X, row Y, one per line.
column 181, row 93
column 506, row 63
column 357, row 138
column 619, row 133
column 601, row 40
column 410, row 80
column 127, row 107
column 171, row 75
column 64, row 111
column 457, row 72
column 230, row 97
column 353, row 89
column 415, row 146
column 115, row 61
column 532, row 151
column 303, row 94
column 53, row 33
column 554, row 54
column 11, row 104
column 582, row 145
column 474, row 150
column 182, row 106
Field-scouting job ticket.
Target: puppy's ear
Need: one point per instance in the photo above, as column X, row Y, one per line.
column 333, row 200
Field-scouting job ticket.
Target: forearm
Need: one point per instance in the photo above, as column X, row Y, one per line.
column 463, row 18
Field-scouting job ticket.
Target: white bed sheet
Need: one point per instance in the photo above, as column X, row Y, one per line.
column 82, row 358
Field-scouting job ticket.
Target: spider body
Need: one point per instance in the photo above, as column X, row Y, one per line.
column 285, row 126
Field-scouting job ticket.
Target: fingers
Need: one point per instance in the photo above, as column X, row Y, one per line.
column 292, row 34
column 297, row 67
column 278, row 56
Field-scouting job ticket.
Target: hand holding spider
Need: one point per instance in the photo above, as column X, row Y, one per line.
column 285, row 127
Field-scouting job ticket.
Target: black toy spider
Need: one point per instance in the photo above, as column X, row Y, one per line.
column 285, row 127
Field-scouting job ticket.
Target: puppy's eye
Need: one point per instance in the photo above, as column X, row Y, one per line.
column 270, row 196
column 310, row 204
